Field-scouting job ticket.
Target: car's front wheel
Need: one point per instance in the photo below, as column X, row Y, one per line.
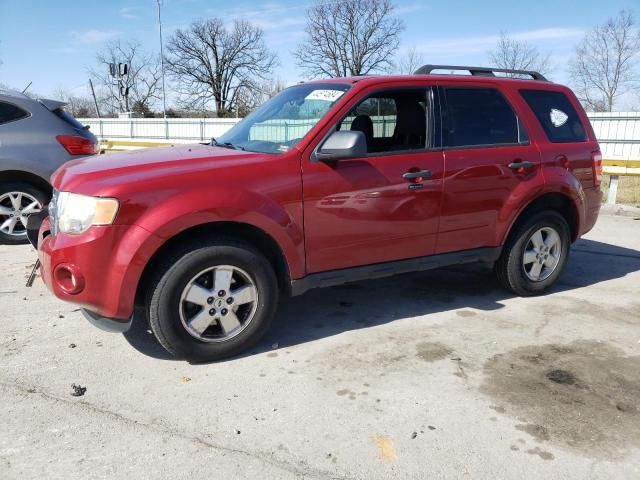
column 18, row 200
column 535, row 255
column 212, row 300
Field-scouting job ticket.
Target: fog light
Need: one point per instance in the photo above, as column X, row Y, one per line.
column 69, row 279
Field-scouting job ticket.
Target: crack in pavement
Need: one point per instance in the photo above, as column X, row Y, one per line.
column 308, row 472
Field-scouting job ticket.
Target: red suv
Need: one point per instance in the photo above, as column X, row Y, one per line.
column 328, row 182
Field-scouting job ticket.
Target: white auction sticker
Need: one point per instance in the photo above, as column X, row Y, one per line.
column 327, row 95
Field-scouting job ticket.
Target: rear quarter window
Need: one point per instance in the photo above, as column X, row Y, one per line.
column 67, row 117
column 11, row 113
column 556, row 114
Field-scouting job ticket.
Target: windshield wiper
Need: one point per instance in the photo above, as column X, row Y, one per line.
column 237, row 147
column 227, row 145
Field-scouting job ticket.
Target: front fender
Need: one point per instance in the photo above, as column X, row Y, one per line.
column 175, row 213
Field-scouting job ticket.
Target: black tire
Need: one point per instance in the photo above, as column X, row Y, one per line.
column 35, row 192
column 510, row 268
column 175, row 273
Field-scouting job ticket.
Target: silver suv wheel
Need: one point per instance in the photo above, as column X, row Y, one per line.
column 15, row 208
column 218, row 303
column 542, row 254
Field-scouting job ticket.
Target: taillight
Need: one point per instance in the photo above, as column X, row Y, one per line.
column 596, row 158
column 77, row 145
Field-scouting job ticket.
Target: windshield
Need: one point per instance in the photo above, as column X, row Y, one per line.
column 284, row 120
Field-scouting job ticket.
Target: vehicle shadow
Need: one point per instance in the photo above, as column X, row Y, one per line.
column 141, row 338
column 327, row 312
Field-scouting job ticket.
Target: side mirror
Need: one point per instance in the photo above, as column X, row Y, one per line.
column 339, row 145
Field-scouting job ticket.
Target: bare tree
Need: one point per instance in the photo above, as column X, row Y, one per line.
column 210, row 59
column 248, row 98
column 603, row 67
column 143, row 79
column 251, row 97
column 349, row 37
column 515, row 54
column 409, row 61
column 272, row 87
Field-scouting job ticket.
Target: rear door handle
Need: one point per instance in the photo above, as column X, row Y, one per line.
column 517, row 165
column 419, row 174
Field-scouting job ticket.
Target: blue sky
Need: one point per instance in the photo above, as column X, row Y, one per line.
column 53, row 42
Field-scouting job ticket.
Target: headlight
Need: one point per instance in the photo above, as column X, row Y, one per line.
column 76, row 213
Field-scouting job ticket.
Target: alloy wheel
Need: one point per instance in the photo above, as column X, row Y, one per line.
column 542, row 254
column 218, row 303
column 15, row 208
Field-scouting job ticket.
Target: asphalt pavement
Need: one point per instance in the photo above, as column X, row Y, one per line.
column 430, row 375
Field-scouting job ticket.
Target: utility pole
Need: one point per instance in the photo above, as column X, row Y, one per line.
column 164, row 95
column 95, row 100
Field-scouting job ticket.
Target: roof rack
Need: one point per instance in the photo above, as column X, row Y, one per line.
column 480, row 71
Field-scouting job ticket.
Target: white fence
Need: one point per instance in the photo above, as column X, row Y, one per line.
column 618, row 133
column 174, row 129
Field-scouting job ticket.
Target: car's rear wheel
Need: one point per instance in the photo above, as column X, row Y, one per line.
column 18, row 200
column 535, row 255
column 212, row 299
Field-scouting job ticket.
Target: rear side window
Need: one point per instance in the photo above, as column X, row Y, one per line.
column 557, row 116
column 479, row 116
column 11, row 113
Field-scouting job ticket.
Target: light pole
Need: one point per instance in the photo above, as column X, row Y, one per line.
column 164, row 94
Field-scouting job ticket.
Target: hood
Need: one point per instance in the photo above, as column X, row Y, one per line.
column 100, row 174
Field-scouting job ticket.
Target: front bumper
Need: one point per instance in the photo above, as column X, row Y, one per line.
column 98, row 270
column 107, row 324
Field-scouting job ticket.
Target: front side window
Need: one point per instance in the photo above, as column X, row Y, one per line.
column 479, row 117
column 11, row 113
column 392, row 121
column 284, row 120
column 557, row 116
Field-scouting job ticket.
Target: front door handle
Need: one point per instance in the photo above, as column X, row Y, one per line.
column 411, row 176
column 521, row 165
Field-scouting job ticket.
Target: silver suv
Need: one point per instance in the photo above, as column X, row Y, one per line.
column 36, row 137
